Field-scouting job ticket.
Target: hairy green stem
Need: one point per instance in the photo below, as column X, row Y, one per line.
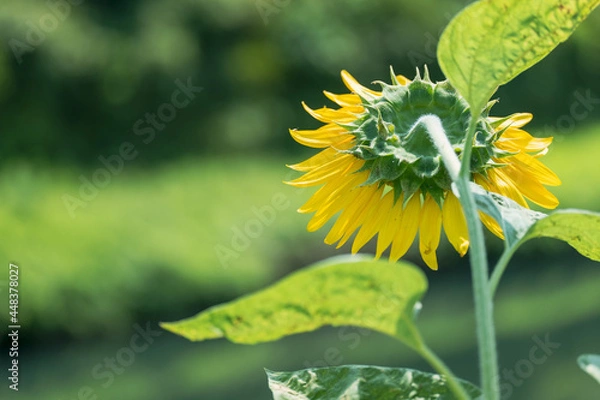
column 484, row 308
column 486, row 337
column 484, row 317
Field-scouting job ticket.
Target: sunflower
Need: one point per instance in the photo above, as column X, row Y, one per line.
column 381, row 173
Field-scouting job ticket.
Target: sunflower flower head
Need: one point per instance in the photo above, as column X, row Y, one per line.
column 383, row 175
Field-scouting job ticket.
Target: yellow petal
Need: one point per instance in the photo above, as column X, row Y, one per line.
column 362, row 195
column 402, row 80
column 488, row 221
column 391, row 223
column 430, row 229
column 538, row 144
column 322, row 137
column 338, row 202
column 491, row 224
column 328, row 115
column 501, row 184
column 341, row 165
column 530, row 187
column 374, row 221
column 357, row 88
column 358, row 215
column 517, row 120
column 405, row 235
column 333, row 189
column 455, row 224
column 516, row 140
column 351, row 102
column 539, row 171
column 315, row 161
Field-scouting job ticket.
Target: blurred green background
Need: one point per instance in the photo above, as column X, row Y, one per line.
column 82, row 82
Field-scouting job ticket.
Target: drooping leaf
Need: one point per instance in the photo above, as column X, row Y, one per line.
column 590, row 363
column 490, row 42
column 357, row 291
column 579, row 228
column 514, row 219
column 356, row 382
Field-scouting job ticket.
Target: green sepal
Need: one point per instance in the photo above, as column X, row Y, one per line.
column 385, row 169
column 389, row 129
column 393, row 76
column 397, row 191
column 410, row 184
column 420, row 94
column 435, row 191
column 427, row 167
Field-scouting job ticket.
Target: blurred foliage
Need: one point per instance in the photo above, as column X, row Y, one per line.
column 146, row 244
column 74, row 81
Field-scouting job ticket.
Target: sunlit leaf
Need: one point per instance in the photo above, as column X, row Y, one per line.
column 355, row 291
column 355, row 382
column 492, row 41
column 590, row 363
column 514, row 219
column 579, row 228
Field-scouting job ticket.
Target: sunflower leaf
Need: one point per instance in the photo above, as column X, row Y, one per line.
column 359, row 382
column 514, row 219
column 490, row 42
column 590, row 363
column 356, row 291
column 579, row 228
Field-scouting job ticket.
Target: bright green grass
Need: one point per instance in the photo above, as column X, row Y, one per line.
column 575, row 158
column 148, row 239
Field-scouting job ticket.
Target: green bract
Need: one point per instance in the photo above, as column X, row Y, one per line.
column 398, row 150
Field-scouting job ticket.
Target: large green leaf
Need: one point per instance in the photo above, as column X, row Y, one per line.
column 579, row 228
column 356, row 382
column 354, row 291
column 590, row 363
column 492, row 41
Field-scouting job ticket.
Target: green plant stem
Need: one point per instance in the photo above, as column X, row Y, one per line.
column 459, row 392
column 486, row 337
column 484, row 310
column 500, row 268
column 484, row 317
